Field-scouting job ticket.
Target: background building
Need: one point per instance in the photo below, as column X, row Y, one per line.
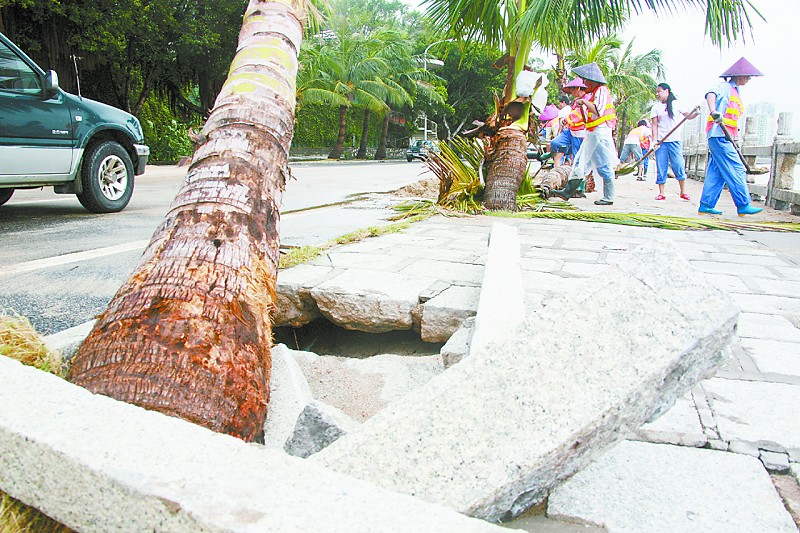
column 766, row 120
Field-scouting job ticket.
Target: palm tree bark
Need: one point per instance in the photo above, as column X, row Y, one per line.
column 380, row 153
column 189, row 333
column 338, row 148
column 506, row 170
column 362, row 147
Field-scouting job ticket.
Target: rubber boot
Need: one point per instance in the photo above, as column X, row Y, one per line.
column 708, row 210
column 748, row 210
column 571, row 187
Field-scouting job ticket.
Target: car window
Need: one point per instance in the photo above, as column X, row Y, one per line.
column 15, row 74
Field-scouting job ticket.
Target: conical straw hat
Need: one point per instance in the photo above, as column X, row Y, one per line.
column 590, row 72
column 741, row 68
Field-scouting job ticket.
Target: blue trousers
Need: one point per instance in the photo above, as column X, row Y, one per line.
column 724, row 168
column 669, row 154
column 565, row 142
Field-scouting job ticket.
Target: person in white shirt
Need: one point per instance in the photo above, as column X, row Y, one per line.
column 665, row 115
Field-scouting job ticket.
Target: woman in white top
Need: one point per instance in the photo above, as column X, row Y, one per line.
column 665, row 115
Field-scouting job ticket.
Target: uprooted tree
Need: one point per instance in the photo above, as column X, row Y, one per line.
column 189, row 333
column 554, row 26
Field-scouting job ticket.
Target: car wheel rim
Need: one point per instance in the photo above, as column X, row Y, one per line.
column 112, row 177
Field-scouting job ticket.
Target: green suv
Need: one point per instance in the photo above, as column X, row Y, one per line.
column 52, row 138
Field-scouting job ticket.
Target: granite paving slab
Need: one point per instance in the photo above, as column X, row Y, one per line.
column 774, row 356
column 679, row 425
column 640, row 486
column 756, row 412
column 765, row 326
column 563, row 398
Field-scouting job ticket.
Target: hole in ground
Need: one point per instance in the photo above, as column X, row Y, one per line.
column 325, row 338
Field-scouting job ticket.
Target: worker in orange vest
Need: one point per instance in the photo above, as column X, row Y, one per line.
column 724, row 166
column 597, row 151
column 566, row 145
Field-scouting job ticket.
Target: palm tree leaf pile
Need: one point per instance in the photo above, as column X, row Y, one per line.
column 663, row 221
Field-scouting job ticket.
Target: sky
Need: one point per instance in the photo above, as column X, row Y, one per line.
column 693, row 64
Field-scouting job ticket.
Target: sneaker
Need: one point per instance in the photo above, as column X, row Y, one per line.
column 685, row 197
column 661, row 197
column 603, row 202
column 706, row 210
column 749, row 210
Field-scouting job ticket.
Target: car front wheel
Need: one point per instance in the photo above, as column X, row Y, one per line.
column 5, row 195
column 107, row 178
column 409, row 158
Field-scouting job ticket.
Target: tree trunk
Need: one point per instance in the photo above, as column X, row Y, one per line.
column 362, row 147
column 561, row 72
column 189, row 333
column 337, row 150
column 506, row 170
column 380, row 153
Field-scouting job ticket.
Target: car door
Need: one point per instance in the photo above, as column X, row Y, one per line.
column 36, row 133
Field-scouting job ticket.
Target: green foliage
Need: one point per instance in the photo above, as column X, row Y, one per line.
column 471, row 81
column 165, row 133
column 316, row 126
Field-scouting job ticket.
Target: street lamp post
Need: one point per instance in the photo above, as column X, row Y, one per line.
column 425, row 67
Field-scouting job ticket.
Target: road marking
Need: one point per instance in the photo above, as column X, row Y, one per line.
column 76, row 257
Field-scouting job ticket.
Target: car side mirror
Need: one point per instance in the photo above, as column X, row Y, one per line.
column 51, row 84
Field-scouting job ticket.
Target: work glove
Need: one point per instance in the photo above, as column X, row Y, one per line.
column 716, row 116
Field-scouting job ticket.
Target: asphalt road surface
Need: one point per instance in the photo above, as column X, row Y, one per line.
column 60, row 264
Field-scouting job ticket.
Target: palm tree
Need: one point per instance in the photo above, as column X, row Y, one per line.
column 411, row 84
column 515, row 25
column 347, row 70
column 189, row 333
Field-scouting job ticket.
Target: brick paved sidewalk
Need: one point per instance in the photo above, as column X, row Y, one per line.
column 633, row 196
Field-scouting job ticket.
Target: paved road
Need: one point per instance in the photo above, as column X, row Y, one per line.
column 60, row 264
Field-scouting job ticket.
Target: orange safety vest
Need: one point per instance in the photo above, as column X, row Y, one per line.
column 731, row 117
column 575, row 120
column 606, row 115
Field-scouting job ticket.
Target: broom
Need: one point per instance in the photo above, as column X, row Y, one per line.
column 627, row 168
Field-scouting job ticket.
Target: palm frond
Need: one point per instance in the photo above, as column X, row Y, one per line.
column 664, row 222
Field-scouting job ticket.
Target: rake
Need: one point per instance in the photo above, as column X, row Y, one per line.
column 630, row 167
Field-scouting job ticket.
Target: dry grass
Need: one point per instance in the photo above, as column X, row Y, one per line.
column 20, row 341
column 16, row 517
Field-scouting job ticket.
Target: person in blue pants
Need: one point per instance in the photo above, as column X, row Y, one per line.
column 724, row 166
column 666, row 116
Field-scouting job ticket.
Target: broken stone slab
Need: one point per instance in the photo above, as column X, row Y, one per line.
column 370, row 301
column 679, row 425
column 502, row 300
column 294, row 305
column 638, row 486
column 774, row 461
column 493, row 434
column 363, row 387
column 761, row 413
column 96, row 465
column 289, row 395
column 457, row 346
column 318, row 425
column 443, row 314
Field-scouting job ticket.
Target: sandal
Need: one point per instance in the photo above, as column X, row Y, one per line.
column 685, row 197
column 661, row 197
